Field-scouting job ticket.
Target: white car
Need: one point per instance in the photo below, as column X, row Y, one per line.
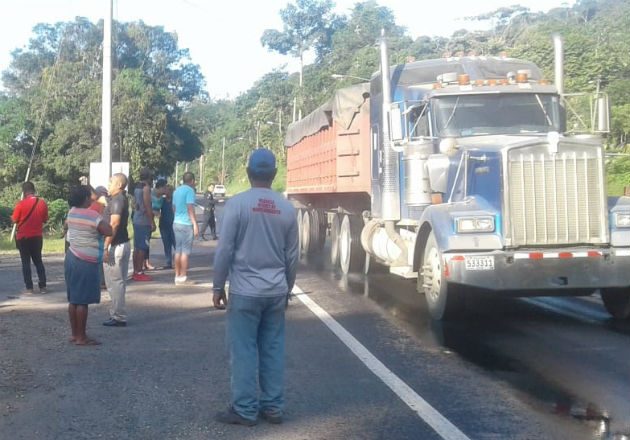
column 219, row 191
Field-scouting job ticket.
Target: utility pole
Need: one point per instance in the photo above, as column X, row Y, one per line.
column 201, row 171
column 176, row 174
column 223, row 161
column 106, row 125
column 257, row 135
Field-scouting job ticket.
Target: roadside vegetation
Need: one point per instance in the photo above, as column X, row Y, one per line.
column 162, row 113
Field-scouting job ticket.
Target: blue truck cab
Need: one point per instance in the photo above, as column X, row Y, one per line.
column 476, row 185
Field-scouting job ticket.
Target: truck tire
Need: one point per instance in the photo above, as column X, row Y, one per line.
column 617, row 301
column 299, row 225
column 307, row 234
column 351, row 254
column 443, row 300
column 318, row 234
column 334, row 240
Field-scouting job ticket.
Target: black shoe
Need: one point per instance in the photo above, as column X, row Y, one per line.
column 111, row 322
column 273, row 417
column 230, row 417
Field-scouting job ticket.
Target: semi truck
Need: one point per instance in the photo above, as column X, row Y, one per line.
column 463, row 174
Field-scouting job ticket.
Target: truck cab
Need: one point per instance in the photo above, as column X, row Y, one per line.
column 499, row 199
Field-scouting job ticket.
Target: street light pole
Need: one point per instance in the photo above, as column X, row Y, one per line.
column 338, row 76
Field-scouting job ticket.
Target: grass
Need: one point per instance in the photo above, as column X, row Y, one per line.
column 53, row 243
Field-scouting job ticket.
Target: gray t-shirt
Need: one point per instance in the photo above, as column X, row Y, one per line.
column 258, row 244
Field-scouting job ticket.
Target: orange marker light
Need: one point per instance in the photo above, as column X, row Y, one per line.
column 464, row 79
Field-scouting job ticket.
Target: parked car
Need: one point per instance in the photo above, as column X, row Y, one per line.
column 219, row 192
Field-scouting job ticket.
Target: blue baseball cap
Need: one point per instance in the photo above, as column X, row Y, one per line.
column 262, row 163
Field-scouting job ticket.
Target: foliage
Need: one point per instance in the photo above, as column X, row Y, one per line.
column 618, row 175
column 153, row 81
column 57, row 213
column 162, row 116
column 5, row 217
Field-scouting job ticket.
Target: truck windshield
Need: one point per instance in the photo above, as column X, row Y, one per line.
column 478, row 115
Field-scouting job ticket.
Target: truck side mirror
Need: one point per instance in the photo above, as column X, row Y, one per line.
column 603, row 114
column 396, row 123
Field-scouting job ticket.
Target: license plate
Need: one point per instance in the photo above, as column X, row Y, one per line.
column 480, row 263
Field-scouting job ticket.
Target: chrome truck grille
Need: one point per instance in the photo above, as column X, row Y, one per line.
column 555, row 198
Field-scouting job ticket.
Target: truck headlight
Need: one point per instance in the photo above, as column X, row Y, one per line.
column 622, row 220
column 474, row 224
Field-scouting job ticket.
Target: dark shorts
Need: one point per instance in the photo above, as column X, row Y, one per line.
column 141, row 237
column 83, row 280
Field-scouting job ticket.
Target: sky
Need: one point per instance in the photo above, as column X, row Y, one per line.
column 224, row 36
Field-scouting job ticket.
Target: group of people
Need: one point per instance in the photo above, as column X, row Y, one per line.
column 257, row 252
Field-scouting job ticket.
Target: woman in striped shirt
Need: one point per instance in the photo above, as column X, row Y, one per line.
column 86, row 231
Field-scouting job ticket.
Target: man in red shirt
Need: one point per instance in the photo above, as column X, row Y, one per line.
column 30, row 214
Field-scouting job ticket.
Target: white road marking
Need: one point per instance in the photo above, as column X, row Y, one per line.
column 430, row 415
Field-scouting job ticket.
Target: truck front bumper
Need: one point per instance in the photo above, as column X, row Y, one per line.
column 576, row 268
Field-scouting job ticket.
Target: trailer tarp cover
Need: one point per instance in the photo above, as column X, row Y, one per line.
column 341, row 108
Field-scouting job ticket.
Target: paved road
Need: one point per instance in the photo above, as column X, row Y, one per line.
column 513, row 370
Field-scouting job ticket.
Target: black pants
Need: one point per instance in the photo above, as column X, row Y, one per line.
column 31, row 249
column 209, row 221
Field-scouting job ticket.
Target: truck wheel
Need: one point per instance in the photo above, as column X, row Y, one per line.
column 443, row 300
column 306, row 231
column 299, row 225
column 318, row 234
column 617, row 301
column 351, row 255
column 334, row 240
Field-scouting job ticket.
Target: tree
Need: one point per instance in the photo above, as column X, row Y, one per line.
column 309, row 23
column 57, row 80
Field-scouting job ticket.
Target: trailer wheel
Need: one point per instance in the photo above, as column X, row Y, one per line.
column 318, row 231
column 351, row 255
column 306, row 231
column 617, row 301
column 334, row 240
column 299, row 225
column 443, row 300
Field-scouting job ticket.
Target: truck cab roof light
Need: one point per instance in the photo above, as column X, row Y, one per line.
column 492, row 82
column 521, row 77
column 543, row 81
column 464, row 79
column 480, row 82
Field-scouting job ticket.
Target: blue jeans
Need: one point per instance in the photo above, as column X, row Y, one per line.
column 168, row 240
column 255, row 338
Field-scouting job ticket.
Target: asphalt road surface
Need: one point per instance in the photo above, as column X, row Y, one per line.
column 363, row 362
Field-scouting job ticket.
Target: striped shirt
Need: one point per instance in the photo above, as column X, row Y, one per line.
column 85, row 241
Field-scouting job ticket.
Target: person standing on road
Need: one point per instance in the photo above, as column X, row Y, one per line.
column 208, row 212
column 258, row 249
column 143, row 225
column 166, row 221
column 86, row 229
column 184, row 226
column 30, row 214
column 117, row 250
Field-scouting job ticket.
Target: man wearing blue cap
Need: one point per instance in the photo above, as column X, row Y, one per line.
column 258, row 248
